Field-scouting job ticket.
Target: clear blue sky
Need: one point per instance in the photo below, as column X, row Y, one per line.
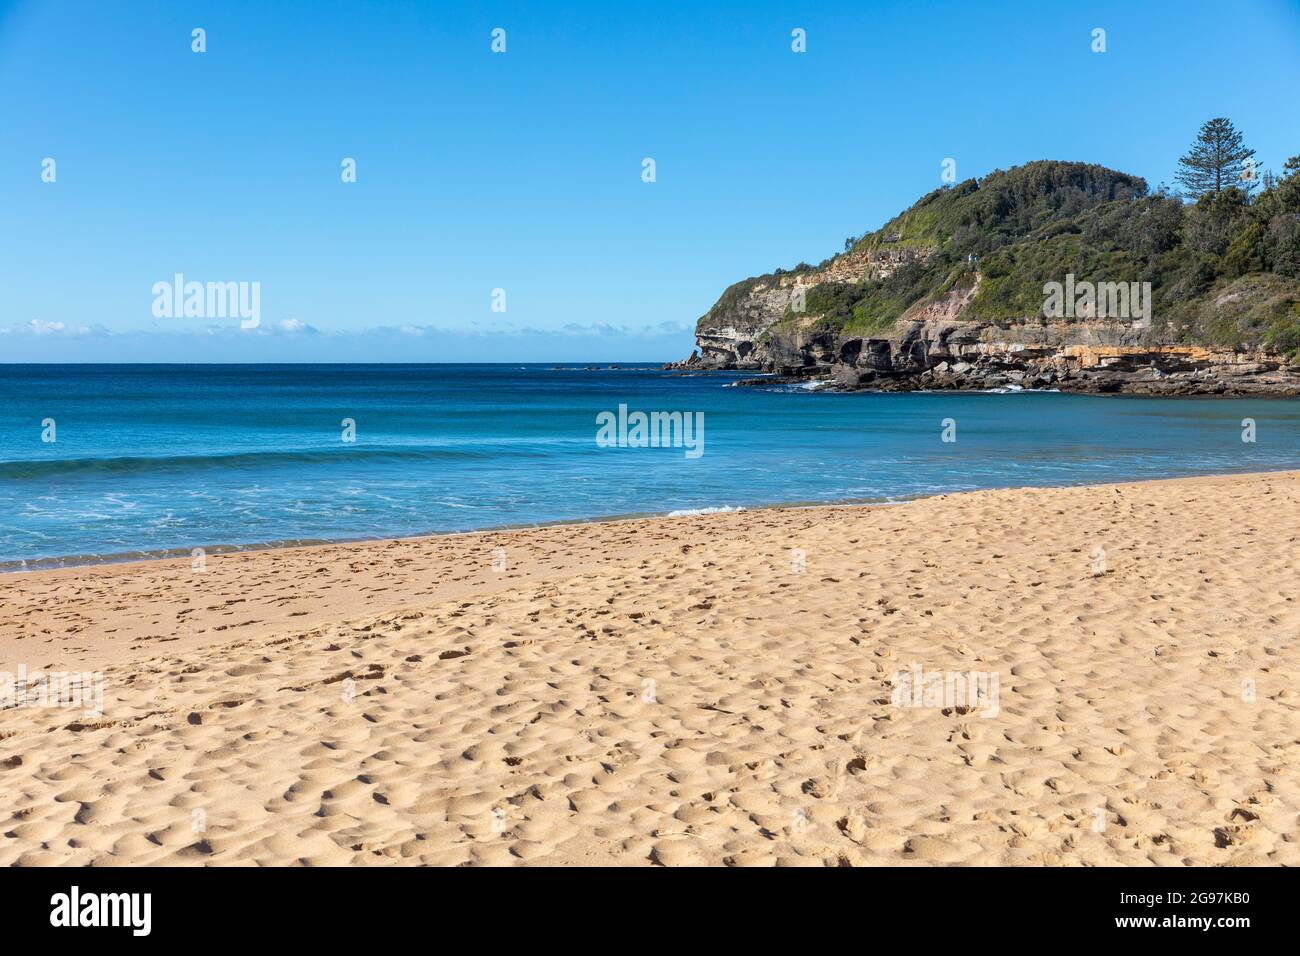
column 522, row 171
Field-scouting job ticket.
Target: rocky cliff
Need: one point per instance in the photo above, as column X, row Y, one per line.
column 950, row 295
column 745, row 328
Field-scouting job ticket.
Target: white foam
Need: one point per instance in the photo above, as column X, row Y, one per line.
column 687, row 512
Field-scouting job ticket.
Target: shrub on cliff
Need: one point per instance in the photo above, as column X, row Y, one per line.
column 1037, row 223
column 1223, row 269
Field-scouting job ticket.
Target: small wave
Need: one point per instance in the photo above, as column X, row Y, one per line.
column 351, row 454
column 1017, row 389
column 688, row 512
column 812, row 385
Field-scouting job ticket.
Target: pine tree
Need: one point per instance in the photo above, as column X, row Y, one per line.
column 1216, row 160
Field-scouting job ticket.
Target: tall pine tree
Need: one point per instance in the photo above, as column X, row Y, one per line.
column 1215, row 161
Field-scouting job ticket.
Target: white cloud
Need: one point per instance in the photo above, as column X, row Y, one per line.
column 508, row 330
column 59, row 329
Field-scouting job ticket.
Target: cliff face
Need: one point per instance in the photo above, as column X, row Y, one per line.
column 948, row 295
column 746, row 329
column 1089, row 357
column 934, row 346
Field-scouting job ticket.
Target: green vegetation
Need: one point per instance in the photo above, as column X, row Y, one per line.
column 1224, row 269
column 979, row 215
column 1218, row 159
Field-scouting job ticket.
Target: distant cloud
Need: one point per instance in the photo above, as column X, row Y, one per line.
column 299, row 327
column 506, row 329
column 232, row 331
column 61, row 329
column 295, row 340
column 295, row 327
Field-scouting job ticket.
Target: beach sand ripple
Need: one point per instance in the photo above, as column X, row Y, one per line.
column 705, row 690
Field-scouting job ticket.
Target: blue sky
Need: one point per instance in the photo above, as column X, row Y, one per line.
column 522, row 170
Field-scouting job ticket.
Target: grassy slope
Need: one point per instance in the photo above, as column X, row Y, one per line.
column 1222, row 272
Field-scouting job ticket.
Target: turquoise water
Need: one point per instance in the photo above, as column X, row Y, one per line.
column 156, row 459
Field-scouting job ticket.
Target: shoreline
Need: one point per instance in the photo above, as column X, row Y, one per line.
column 41, row 565
column 717, row 689
column 905, row 387
column 273, row 560
column 185, row 554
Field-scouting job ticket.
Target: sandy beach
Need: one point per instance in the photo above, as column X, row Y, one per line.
column 748, row 688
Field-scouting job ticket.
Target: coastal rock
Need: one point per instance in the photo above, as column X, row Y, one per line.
column 946, row 296
column 940, row 352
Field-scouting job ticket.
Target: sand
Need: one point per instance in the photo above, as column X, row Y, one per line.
column 734, row 689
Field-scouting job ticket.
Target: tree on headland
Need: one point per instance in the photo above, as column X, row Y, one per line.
column 1216, row 161
column 1281, row 212
column 1290, row 181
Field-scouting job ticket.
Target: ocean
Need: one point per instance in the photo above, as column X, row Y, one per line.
column 148, row 460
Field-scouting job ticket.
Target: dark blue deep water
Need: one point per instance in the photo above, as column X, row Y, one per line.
column 156, row 458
